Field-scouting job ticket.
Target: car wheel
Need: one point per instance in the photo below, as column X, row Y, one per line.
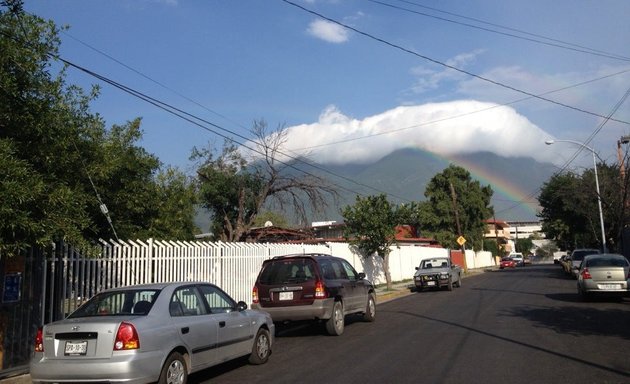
column 174, row 370
column 449, row 287
column 261, row 350
column 335, row 325
column 370, row 310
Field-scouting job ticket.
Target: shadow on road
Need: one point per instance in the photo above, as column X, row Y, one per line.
column 578, row 320
column 622, row 323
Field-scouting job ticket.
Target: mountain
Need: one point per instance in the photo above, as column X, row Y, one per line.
column 404, row 175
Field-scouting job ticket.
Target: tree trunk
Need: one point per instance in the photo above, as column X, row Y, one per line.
column 388, row 276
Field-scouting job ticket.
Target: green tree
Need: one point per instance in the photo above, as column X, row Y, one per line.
column 371, row 227
column 236, row 189
column 143, row 199
column 524, row 245
column 55, row 155
column 456, row 205
column 570, row 212
column 547, row 250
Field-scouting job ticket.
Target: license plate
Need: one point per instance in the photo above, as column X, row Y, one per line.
column 286, row 296
column 609, row 286
column 75, row 348
column 430, row 282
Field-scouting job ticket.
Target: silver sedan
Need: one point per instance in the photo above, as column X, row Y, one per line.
column 150, row 333
column 603, row 274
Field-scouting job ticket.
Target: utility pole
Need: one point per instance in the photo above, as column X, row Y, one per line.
column 455, row 211
column 622, row 166
column 459, row 228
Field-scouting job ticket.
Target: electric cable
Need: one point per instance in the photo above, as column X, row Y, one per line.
column 446, row 65
column 554, row 42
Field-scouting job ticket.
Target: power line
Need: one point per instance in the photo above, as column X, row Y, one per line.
column 580, row 149
column 435, row 61
column 138, row 72
column 191, row 119
column 465, row 114
column 166, row 107
column 551, row 42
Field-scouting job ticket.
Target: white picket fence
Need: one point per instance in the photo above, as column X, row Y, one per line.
column 232, row 266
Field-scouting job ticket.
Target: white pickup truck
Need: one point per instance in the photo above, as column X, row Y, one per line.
column 437, row 273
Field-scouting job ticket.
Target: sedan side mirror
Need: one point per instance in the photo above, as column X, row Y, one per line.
column 241, row 306
column 361, row 275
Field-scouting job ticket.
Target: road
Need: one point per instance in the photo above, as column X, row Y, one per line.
column 525, row 325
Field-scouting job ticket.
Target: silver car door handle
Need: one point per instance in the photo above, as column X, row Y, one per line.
column 185, row 330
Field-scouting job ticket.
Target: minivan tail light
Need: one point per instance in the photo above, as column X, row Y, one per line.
column 586, row 274
column 320, row 290
column 255, row 299
column 39, row 340
column 126, row 337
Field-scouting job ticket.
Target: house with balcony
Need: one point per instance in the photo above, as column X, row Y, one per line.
column 499, row 231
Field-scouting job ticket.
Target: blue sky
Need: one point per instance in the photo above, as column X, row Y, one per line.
column 400, row 77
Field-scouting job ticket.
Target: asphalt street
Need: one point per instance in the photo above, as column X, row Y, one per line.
column 525, row 325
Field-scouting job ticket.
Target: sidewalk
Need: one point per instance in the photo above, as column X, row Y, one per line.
column 399, row 289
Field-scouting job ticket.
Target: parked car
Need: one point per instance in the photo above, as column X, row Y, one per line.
column 437, row 273
column 517, row 257
column 507, row 262
column 604, row 274
column 575, row 259
column 150, row 333
column 314, row 287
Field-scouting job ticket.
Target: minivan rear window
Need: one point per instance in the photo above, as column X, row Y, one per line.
column 285, row 271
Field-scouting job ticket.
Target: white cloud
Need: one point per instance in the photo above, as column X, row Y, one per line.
column 328, row 31
column 456, row 127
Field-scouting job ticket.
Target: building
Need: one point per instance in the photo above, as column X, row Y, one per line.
column 499, row 231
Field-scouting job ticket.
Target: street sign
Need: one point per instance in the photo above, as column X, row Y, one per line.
column 461, row 241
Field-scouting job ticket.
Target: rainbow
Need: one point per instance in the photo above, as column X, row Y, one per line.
column 517, row 202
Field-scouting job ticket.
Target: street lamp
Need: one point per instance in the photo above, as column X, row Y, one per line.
column 599, row 199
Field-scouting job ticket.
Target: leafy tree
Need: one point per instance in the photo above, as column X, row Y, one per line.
column 55, row 155
column 144, row 200
column 547, row 250
column 570, row 212
column 456, row 205
column 524, row 245
column 371, row 227
column 236, row 190
column 490, row 245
